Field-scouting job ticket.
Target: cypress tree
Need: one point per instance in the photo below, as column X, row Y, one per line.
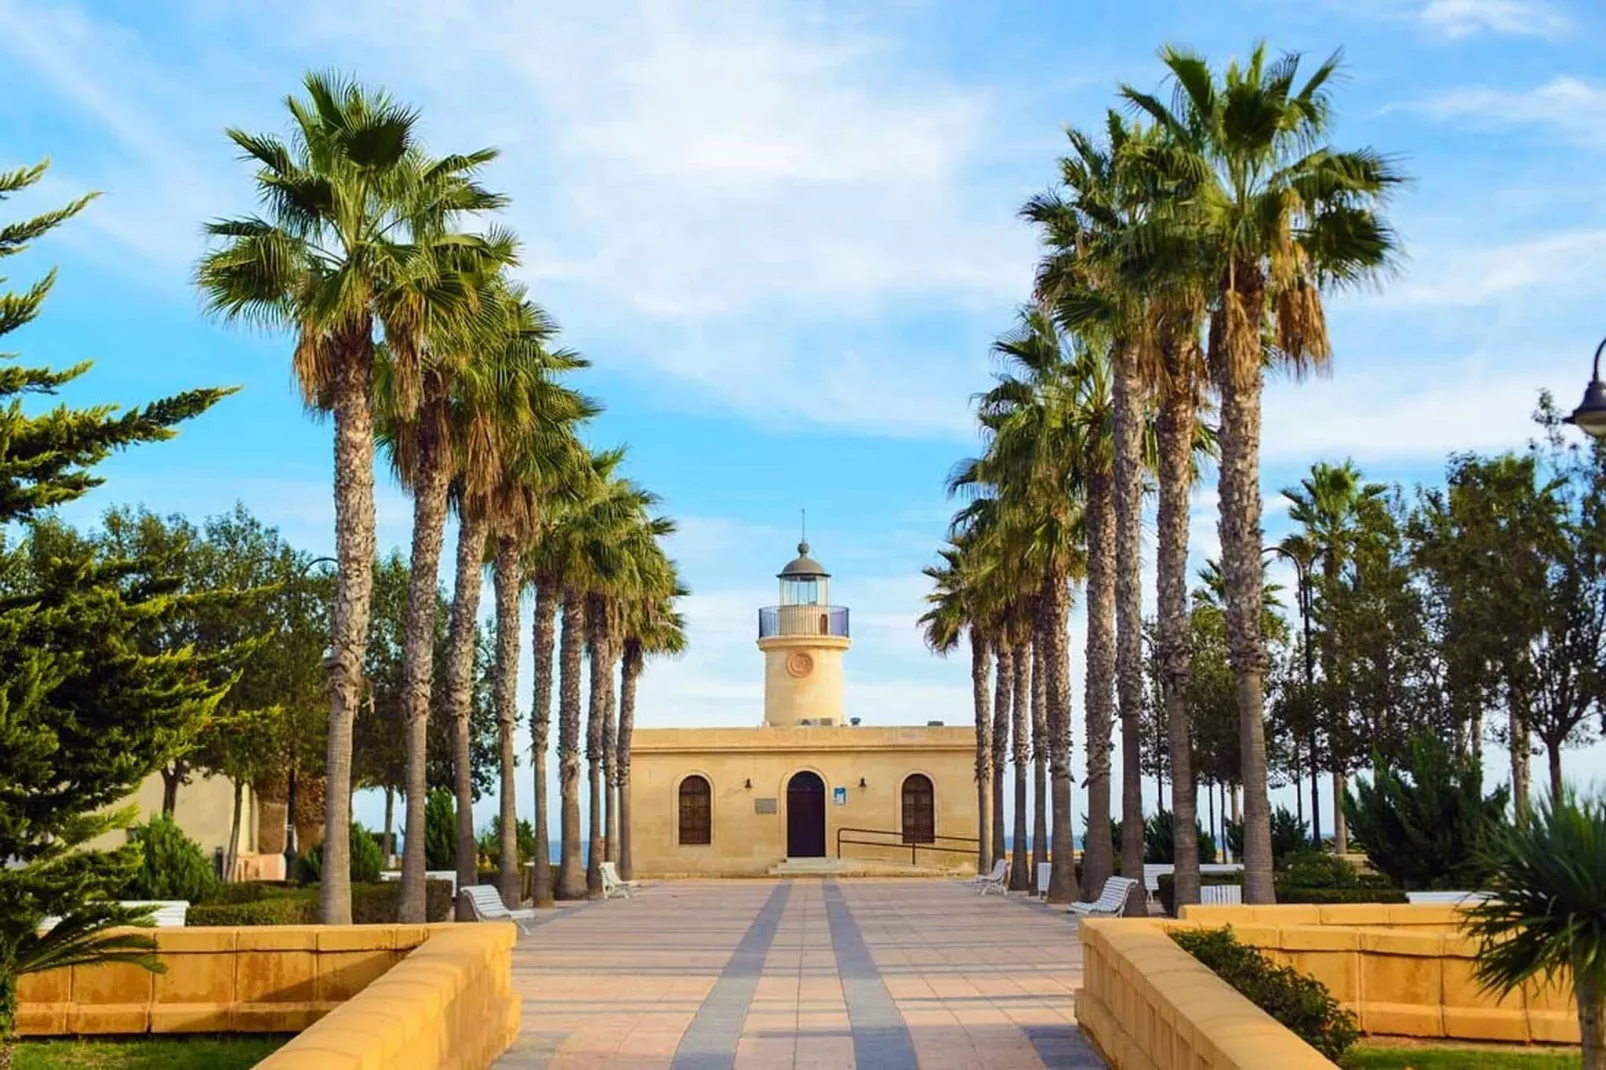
column 85, row 714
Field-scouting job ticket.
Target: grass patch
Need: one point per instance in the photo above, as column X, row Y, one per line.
column 1437, row 1057
column 199, row 1052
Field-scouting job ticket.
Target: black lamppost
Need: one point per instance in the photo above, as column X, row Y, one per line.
column 1590, row 415
column 1302, row 572
column 290, row 795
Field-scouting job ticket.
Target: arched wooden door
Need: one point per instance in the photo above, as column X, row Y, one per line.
column 805, row 816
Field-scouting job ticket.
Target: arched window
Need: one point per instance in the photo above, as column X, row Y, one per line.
column 696, row 811
column 919, row 810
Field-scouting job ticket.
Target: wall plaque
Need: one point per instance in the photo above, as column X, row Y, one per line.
column 764, row 806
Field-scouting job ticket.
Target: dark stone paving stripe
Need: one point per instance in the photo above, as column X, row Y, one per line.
column 880, row 1036
column 709, row 1043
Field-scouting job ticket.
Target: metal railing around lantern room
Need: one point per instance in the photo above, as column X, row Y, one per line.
column 803, row 620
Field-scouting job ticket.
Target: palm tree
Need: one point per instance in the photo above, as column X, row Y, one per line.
column 1084, row 276
column 1020, row 876
column 1327, row 505
column 1040, row 746
column 1544, row 918
column 1029, row 528
column 355, row 230
column 542, row 643
column 652, row 628
column 510, row 424
column 576, row 555
column 1277, row 217
column 953, row 616
column 424, row 453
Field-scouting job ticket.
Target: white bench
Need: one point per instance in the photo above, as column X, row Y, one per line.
column 996, row 881
column 429, row 875
column 1450, row 898
column 169, row 913
column 1221, row 894
column 1111, row 901
column 1045, row 872
column 1153, row 870
column 486, row 902
column 614, row 886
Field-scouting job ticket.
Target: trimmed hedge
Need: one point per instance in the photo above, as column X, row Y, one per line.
column 1329, row 896
column 1300, row 1002
column 371, row 904
column 1289, row 894
column 285, row 910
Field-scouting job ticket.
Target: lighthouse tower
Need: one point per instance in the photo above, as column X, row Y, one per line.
column 803, row 640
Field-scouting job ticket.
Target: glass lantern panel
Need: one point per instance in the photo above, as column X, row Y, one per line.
column 800, row 592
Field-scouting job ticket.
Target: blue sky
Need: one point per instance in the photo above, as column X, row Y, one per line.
column 785, row 234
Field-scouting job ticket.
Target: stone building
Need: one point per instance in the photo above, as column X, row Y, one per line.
column 809, row 784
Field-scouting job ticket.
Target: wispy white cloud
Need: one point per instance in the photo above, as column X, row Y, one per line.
column 1566, row 107
column 1563, row 263
column 720, row 197
column 1464, row 18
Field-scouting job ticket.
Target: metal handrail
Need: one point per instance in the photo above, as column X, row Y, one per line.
column 914, row 847
column 803, row 620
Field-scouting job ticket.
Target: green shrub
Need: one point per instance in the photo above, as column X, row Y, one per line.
column 1300, row 1002
column 379, row 904
column 1288, row 836
column 1317, row 869
column 1159, row 839
column 234, row 894
column 440, row 830
column 172, row 866
column 490, row 842
column 371, row 904
column 298, row 909
column 367, row 861
column 1427, row 828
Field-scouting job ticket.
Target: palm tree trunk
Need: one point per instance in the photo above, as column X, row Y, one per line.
column 1591, row 1000
column 601, row 686
column 460, row 639
column 1127, row 494
column 1340, row 820
column 1020, row 878
column 540, row 730
column 1039, row 754
column 1054, row 604
column 629, row 676
column 981, row 700
column 1003, row 683
column 352, row 395
column 1241, row 541
column 508, row 578
column 610, row 749
column 388, row 840
column 1176, row 477
column 571, row 875
column 1098, row 851
column 418, row 662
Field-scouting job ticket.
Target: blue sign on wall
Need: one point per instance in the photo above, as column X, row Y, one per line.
column 839, row 796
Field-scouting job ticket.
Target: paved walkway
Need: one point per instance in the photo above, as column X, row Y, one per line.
column 697, row 975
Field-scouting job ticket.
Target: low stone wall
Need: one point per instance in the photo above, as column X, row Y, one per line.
column 449, row 1004
column 1403, row 970
column 1422, row 917
column 274, row 979
column 1149, row 1005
